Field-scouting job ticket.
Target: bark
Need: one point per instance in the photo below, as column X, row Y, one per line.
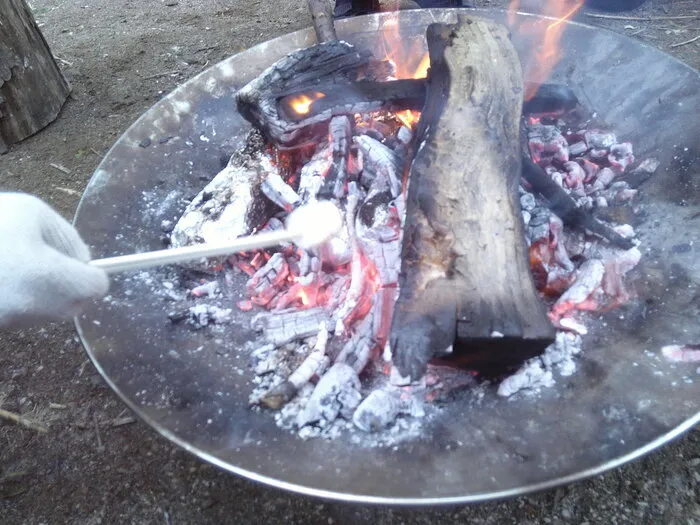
column 465, row 277
column 322, row 17
column 32, row 88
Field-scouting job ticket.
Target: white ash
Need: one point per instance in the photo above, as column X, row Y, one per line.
column 381, row 162
column 380, row 409
column 337, row 394
column 597, row 139
column 225, row 208
column 538, row 372
column 202, row 315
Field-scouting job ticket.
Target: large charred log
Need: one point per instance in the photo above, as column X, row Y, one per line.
column 266, row 101
column 465, row 280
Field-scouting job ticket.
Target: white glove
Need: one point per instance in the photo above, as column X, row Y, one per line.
column 43, row 270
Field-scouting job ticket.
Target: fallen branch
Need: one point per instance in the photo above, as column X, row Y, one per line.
column 322, row 16
column 27, row 423
column 679, row 44
column 60, row 168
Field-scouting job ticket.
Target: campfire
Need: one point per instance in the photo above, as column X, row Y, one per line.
column 476, row 236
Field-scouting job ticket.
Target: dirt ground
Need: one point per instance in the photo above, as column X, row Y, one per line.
column 96, row 464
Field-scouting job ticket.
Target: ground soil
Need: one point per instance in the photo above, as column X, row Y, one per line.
column 120, row 57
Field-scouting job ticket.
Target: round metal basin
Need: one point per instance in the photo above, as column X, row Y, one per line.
column 623, row 401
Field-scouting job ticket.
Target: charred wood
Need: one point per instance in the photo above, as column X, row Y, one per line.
column 229, row 206
column 265, row 101
column 465, row 277
column 282, row 327
column 410, row 94
column 313, row 364
column 566, row 208
column 340, row 135
column 549, row 98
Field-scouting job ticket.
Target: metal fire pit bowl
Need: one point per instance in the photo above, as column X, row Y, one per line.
column 624, row 400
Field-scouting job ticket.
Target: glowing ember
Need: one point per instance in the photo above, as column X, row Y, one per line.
column 301, row 104
column 545, row 35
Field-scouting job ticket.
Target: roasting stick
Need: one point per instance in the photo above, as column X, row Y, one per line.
column 307, row 226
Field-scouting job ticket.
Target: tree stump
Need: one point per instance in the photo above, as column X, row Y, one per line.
column 32, row 88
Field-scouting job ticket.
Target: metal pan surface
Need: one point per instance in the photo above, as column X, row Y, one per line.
column 624, row 400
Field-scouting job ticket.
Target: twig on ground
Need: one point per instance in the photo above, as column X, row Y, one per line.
column 57, row 406
column 66, row 190
column 60, row 168
column 643, row 18
column 97, row 433
column 63, row 61
column 27, row 423
column 208, row 48
column 122, row 421
column 82, row 367
column 679, row 44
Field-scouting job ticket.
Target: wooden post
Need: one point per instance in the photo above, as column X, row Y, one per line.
column 32, row 88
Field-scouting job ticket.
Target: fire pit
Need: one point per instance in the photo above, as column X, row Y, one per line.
column 626, row 398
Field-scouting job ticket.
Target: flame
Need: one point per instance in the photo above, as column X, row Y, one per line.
column 545, row 36
column 301, row 104
column 410, row 60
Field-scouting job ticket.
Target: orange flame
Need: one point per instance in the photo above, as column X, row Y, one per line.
column 301, row 104
column 410, row 60
column 545, row 35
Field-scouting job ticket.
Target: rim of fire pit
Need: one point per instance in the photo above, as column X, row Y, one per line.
column 119, row 334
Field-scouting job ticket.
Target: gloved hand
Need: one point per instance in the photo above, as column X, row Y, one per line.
column 43, row 270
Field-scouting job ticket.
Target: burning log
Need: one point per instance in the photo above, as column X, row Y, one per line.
column 465, row 276
column 358, row 350
column 277, row 102
column 410, row 94
column 312, row 176
column 263, row 285
column 381, row 166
